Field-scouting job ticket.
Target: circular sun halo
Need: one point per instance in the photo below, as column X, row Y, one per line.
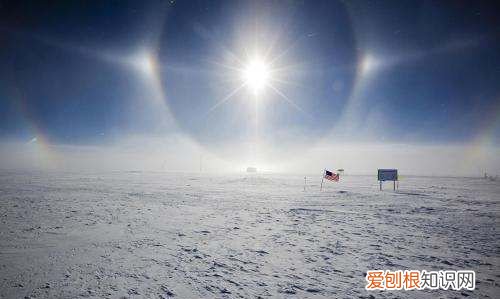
column 256, row 75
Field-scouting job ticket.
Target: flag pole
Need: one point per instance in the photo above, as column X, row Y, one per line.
column 322, row 178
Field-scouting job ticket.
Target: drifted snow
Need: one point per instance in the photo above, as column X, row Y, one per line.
column 161, row 235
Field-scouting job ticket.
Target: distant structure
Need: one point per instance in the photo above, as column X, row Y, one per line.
column 490, row 177
column 387, row 175
column 251, row 169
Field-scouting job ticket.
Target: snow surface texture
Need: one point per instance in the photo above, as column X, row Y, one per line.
column 160, row 235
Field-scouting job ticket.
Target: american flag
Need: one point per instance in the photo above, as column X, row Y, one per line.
column 331, row 176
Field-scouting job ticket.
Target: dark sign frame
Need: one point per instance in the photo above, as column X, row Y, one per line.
column 387, row 175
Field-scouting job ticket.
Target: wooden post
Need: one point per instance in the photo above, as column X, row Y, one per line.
column 380, row 182
column 394, row 185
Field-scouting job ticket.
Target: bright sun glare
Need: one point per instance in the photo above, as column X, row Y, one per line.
column 256, row 75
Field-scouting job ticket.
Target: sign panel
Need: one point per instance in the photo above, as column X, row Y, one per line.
column 387, row 174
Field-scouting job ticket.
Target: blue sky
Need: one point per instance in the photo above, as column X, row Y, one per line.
column 399, row 71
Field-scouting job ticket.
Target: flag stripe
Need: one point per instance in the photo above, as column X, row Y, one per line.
column 331, row 176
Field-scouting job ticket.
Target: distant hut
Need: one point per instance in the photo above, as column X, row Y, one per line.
column 251, row 169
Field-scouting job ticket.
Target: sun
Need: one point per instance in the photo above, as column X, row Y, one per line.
column 256, row 75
